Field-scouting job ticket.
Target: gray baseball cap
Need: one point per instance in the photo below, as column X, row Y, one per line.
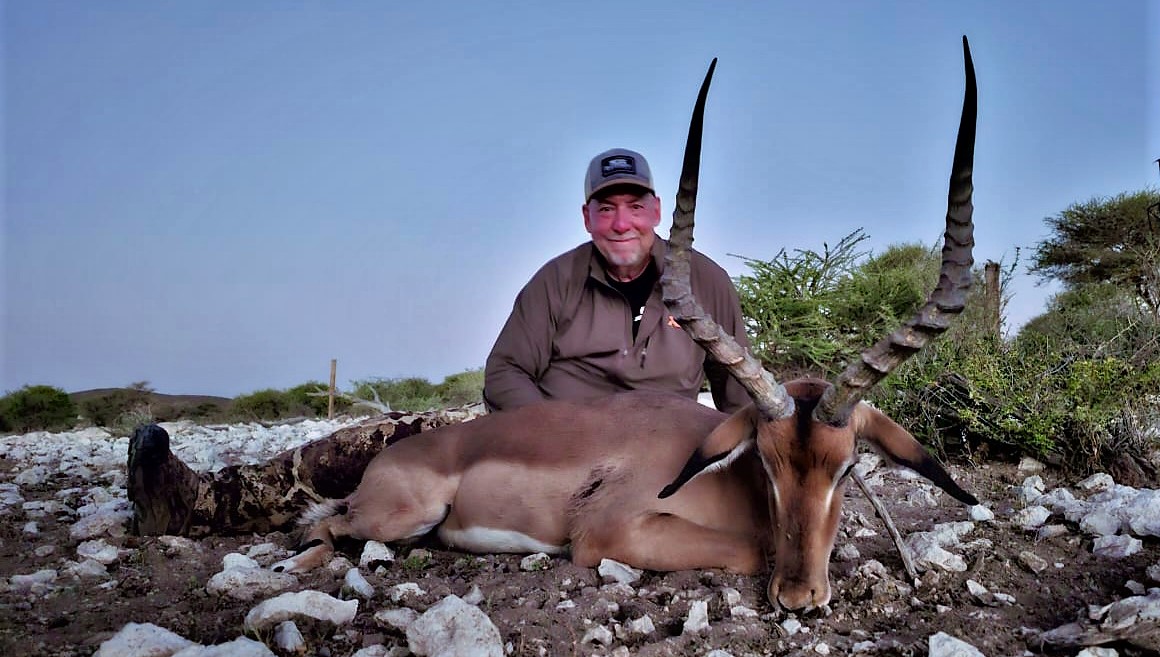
column 618, row 166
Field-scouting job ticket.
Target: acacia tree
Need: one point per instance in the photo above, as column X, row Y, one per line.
column 1106, row 240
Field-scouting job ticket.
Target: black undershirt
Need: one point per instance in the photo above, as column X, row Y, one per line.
column 637, row 292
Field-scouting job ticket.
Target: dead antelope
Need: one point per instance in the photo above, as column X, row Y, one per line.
column 657, row 481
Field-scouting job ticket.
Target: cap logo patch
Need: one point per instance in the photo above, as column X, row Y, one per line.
column 618, row 165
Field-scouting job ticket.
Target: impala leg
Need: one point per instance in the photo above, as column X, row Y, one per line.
column 664, row 542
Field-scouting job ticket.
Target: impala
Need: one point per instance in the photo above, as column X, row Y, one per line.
column 657, row 481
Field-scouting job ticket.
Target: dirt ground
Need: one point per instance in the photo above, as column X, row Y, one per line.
column 155, row 584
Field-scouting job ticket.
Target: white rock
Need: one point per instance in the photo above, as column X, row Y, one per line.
column 537, row 561
column 920, row 497
column 453, row 628
column 1096, row 483
column 34, row 476
column 698, row 619
column 399, row 618
column 1031, row 489
column 301, row 604
column 615, row 571
column 741, row 611
column 235, row 560
column 718, row 653
column 791, row 626
column 104, row 523
column 1048, row 532
column 980, row 513
column 927, row 553
column 1097, row 652
column 405, row 590
column 730, row 596
column 376, row 554
column 339, row 564
column 179, row 545
column 44, row 550
column 847, row 552
column 239, row 647
column 1100, row 523
column 1033, row 562
column 31, row 528
column 1153, row 572
column 142, row 640
column 98, row 551
column 867, row 462
column 945, row 645
column 597, row 634
column 1031, row 518
column 950, row 534
column 288, row 637
column 1117, row 547
column 248, row 583
column 355, row 582
column 1135, row 587
column 1144, row 513
column 474, row 596
column 37, row 582
column 822, row 648
column 375, row 651
column 642, row 625
column 86, row 568
column 266, row 553
column 1028, row 465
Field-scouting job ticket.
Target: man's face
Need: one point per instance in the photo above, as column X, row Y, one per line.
column 621, row 225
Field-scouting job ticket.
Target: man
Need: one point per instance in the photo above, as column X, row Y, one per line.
column 590, row 323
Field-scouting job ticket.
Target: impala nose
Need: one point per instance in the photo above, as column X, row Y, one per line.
column 800, row 594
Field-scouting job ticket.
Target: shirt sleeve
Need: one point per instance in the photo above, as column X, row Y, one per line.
column 522, row 351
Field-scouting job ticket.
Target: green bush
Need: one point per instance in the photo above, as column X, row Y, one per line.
column 37, row 408
column 462, row 389
column 404, row 394
column 268, row 404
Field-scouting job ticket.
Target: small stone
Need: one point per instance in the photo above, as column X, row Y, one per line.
column 642, row 625
column 980, row 513
column 698, row 619
column 1135, row 587
column 731, row 596
column 1153, row 572
column 534, row 562
column 1031, row 518
column 1100, row 523
column 289, row 638
column 474, row 596
column 741, row 611
column 377, row 554
column 1033, row 562
column 301, row 604
column 1048, row 532
column 822, row 648
column 31, row 528
column 791, row 626
column 945, row 645
column 357, row 584
column 1097, row 483
column 44, row 550
column 1030, row 466
column 598, row 634
column 399, row 618
column 407, row 589
column 142, row 639
column 1117, row 547
column 847, row 552
column 615, row 571
column 1097, row 652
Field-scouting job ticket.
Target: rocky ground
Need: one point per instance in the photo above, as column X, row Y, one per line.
column 1054, row 555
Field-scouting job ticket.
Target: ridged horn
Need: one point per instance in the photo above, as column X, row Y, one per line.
column 949, row 296
column 768, row 395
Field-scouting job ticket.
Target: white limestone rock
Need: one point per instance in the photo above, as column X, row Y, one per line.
column 534, row 562
column 1031, row 489
column 453, row 628
column 698, row 619
column 245, row 583
column 300, row 604
column 406, row 590
column 357, row 584
column 945, row 645
column 399, row 618
column 1031, row 518
column 980, row 513
column 1096, row 483
column 615, row 571
column 1100, row 523
column 98, row 551
column 1117, row 547
column 597, row 634
column 289, row 638
column 142, row 640
column 376, row 554
column 239, row 647
column 35, row 583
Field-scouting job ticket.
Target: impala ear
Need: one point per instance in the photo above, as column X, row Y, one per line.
column 722, row 446
column 899, row 446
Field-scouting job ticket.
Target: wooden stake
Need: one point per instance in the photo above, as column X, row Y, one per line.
column 991, row 296
column 330, row 406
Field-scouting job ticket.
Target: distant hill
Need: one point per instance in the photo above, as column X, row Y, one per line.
column 103, row 405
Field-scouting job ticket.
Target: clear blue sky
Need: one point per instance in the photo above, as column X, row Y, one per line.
column 219, row 197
